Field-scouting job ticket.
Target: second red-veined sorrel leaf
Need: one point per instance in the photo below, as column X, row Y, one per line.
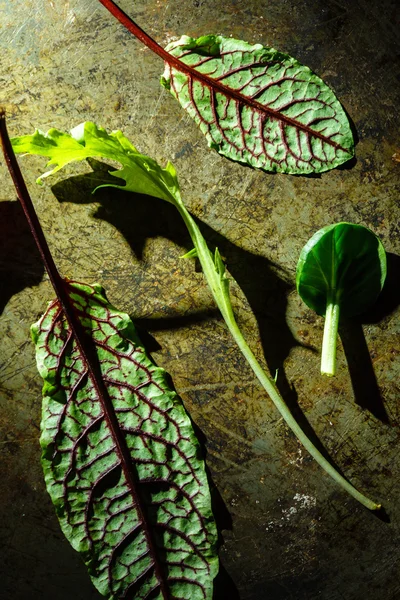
column 126, row 479
column 254, row 104
column 121, row 461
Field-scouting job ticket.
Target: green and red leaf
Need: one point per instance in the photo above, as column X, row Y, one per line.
column 254, row 104
column 259, row 106
column 124, row 472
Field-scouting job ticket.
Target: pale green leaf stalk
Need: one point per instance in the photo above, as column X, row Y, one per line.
column 328, row 353
column 143, row 174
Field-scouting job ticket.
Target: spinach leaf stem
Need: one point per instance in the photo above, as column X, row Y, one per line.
column 329, row 341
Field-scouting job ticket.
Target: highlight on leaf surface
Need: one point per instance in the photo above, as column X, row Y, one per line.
column 340, row 272
column 126, row 477
column 260, row 106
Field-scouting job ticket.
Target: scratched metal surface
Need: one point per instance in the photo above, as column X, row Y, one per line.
column 288, row 531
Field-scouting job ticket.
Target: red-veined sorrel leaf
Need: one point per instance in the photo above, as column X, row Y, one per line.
column 121, row 461
column 126, row 478
column 254, row 104
column 270, row 111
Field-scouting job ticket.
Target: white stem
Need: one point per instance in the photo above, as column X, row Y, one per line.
column 328, row 356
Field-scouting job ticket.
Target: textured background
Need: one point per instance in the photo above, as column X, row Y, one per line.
column 288, row 531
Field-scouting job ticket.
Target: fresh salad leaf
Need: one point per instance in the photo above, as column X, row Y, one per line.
column 126, row 477
column 137, row 172
column 87, row 140
column 121, row 461
column 341, row 271
column 268, row 111
column 254, row 104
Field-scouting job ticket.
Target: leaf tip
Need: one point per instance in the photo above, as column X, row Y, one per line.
column 191, row 254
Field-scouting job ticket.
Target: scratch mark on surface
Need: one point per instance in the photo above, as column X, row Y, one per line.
column 229, row 463
column 153, row 113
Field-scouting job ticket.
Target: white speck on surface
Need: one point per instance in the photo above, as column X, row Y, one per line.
column 305, row 501
column 70, row 18
column 288, row 512
column 298, row 460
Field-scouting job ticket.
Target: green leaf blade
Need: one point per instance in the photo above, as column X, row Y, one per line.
column 259, row 106
column 128, row 533
column 344, row 263
column 139, row 173
column 341, row 272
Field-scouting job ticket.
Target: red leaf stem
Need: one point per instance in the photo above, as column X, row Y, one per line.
column 85, row 345
column 209, row 82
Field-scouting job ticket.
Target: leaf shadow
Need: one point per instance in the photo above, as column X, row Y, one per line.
column 261, row 282
column 139, row 217
column 359, row 359
column 363, row 379
column 20, row 263
column 351, row 163
column 264, row 285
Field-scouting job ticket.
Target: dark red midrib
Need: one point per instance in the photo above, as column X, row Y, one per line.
column 84, row 343
column 209, row 81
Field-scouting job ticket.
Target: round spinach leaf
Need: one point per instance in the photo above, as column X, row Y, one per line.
column 341, row 271
column 343, row 264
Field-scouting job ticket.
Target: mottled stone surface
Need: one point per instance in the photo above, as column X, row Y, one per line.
column 289, row 532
